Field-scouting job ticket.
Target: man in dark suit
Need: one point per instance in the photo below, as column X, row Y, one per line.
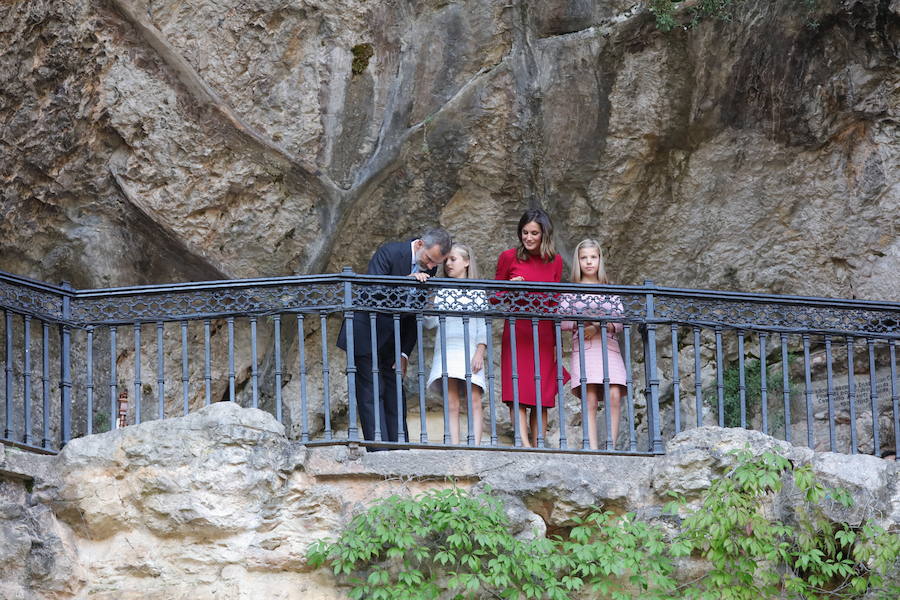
column 416, row 258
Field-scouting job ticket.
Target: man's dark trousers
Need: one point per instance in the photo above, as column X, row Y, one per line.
column 386, row 409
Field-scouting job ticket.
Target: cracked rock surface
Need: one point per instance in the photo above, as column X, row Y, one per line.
column 152, row 140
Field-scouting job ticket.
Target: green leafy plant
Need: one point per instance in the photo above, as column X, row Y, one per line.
column 687, row 14
column 101, row 422
column 666, row 19
column 754, row 555
column 731, row 378
column 418, row 548
column 361, row 55
column 449, row 544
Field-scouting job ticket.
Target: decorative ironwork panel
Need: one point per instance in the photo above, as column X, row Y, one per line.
column 497, row 302
column 618, row 307
column 392, row 297
column 169, row 306
column 778, row 316
column 26, row 299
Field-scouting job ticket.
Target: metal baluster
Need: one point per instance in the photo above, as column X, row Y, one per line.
column 560, row 384
column 607, row 408
column 185, row 371
column 347, row 305
column 538, row 401
column 138, row 393
column 807, row 376
column 742, row 379
column 895, row 397
column 276, row 323
column 89, row 377
column 326, row 379
column 655, row 435
column 207, row 368
column 470, row 436
column 517, row 435
column 45, row 382
column 851, row 393
column 830, row 394
column 304, row 397
column 629, row 390
column 585, row 421
column 489, row 336
column 720, row 377
column 420, row 350
column 698, row 379
column 231, row 373
column 26, row 380
column 786, row 385
column 398, row 378
column 65, row 370
column 676, row 378
column 160, row 372
column 763, row 382
column 376, row 374
column 873, row 397
column 254, row 369
column 445, row 381
column 113, row 385
column 8, row 431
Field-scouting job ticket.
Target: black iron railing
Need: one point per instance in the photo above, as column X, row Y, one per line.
column 816, row 371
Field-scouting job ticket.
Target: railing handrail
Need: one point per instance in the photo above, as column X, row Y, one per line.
column 36, row 284
column 701, row 293
column 690, row 307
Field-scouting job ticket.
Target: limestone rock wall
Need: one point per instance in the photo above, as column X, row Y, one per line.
column 152, row 140
column 220, row 504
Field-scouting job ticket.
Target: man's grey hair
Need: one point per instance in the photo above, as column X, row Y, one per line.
column 437, row 237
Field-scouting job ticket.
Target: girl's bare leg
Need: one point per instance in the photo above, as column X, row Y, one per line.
column 476, row 413
column 592, row 396
column 453, row 410
column 615, row 410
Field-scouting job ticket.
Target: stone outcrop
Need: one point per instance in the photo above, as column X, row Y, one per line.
column 220, row 504
column 153, row 140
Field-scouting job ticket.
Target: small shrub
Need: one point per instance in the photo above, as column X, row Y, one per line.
column 361, row 55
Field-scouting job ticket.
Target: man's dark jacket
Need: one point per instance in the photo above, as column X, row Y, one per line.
column 393, row 258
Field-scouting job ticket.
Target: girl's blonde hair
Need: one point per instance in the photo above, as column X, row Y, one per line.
column 576, row 267
column 467, row 254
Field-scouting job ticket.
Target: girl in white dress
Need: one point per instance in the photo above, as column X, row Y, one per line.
column 460, row 264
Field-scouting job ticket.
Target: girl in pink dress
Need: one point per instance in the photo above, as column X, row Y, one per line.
column 588, row 267
column 535, row 259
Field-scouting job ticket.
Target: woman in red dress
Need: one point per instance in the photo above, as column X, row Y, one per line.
column 535, row 259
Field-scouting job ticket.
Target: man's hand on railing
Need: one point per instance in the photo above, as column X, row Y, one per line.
column 420, row 276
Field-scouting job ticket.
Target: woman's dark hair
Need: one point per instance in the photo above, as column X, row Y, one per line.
column 537, row 215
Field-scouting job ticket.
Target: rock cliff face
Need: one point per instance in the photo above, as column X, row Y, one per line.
column 220, row 504
column 152, row 140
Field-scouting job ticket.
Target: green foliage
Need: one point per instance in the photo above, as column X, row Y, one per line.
column 451, row 545
column 731, row 378
column 446, row 542
column 666, row 19
column 101, row 422
column 361, row 55
column 753, row 555
column 672, row 14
